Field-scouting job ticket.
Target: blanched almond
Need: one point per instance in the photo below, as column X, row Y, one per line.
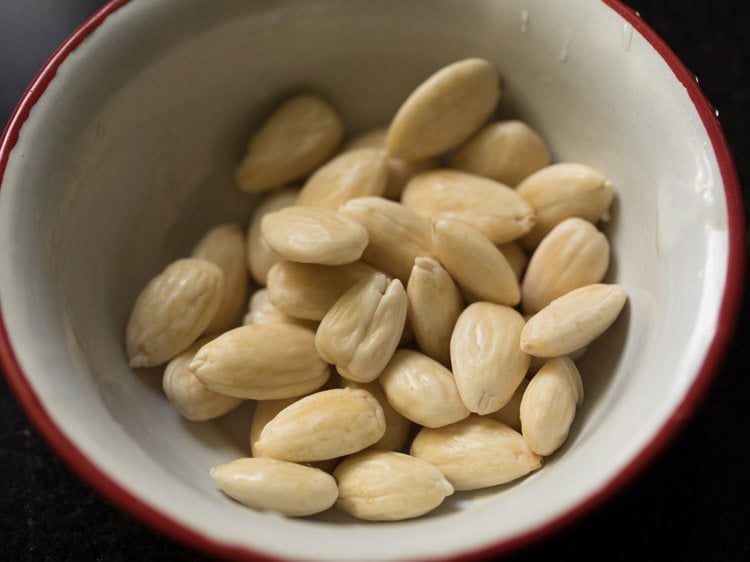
column 572, row 255
column 188, row 395
column 538, row 362
column 260, row 256
column 494, row 209
column 510, row 414
column 313, row 235
column 549, row 405
column 172, row 310
column 434, row 306
column 444, row 110
column 262, row 311
column 561, row 191
column 506, row 151
column 261, row 362
column 265, row 411
column 516, row 257
column 372, row 138
column 295, row 139
column 272, row 485
column 572, row 321
column 224, row 245
column 487, row 361
column 355, row 173
column 361, row 331
column 397, row 427
column 324, row 425
column 397, row 235
column 387, row 486
column 477, row 452
column 307, row 290
column 422, row 390
column 476, row 264
column 399, row 171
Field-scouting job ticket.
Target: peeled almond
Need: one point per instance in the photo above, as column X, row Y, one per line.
column 494, row 209
column 313, row 235
column 224, row 245
column 475, row 453
column 561, row 191
column 295, row 139
column 444, row 110
column 507, row 151
column 260, row 256
column 572, row 321
column 271, row 485
column 476, row 264
column 549, row 405
column 324, row 425
column 389, row 486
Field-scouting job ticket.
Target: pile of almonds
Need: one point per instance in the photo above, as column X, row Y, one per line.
column 402, row 262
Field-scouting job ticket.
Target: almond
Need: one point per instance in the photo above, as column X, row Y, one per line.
column 307, row 290
column 572, row 321
column 295, row 139
column 361, row 331
column 506, row 151
column 538, row 362
column 188, row 395
column 475, row 453
column 574, row 254
column 224, row 245
column 260, row 256
column 399, row 171
column 434, row 306
column 265, row 411
column 312, row 235
column 561, row 191
column 487, row 361
column 510, row 414
column 261, row 362
column 271, row 485
column 422, row 390
column 444, row 110
column 262, row 311
column 397, row 236
column 494, row 209
column 516, row 257
column 172, row 310
column 475, row 263
column 355, row 173
column 388, row 486
column 324, row 425
column 549, row 405
column 397, row 427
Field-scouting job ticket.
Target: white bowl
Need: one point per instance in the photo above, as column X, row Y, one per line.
column 120, row 156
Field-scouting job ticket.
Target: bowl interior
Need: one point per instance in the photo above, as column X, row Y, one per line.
column 127, row 159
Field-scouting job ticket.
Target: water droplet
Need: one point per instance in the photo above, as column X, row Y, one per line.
column 627, row 36
column 524, row 21
column 565, row 50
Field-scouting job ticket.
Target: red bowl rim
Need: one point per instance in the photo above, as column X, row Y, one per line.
column 140, row 509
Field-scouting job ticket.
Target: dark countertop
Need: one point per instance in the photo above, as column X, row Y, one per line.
column 693, row 503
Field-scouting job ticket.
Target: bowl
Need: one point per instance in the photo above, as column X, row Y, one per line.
column 120, row 155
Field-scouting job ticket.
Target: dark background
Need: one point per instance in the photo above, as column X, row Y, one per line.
column 693, row 503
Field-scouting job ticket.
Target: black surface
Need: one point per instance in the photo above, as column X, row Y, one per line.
column 692, row 504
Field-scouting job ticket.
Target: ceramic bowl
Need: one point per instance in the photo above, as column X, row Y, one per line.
column 120, row 155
